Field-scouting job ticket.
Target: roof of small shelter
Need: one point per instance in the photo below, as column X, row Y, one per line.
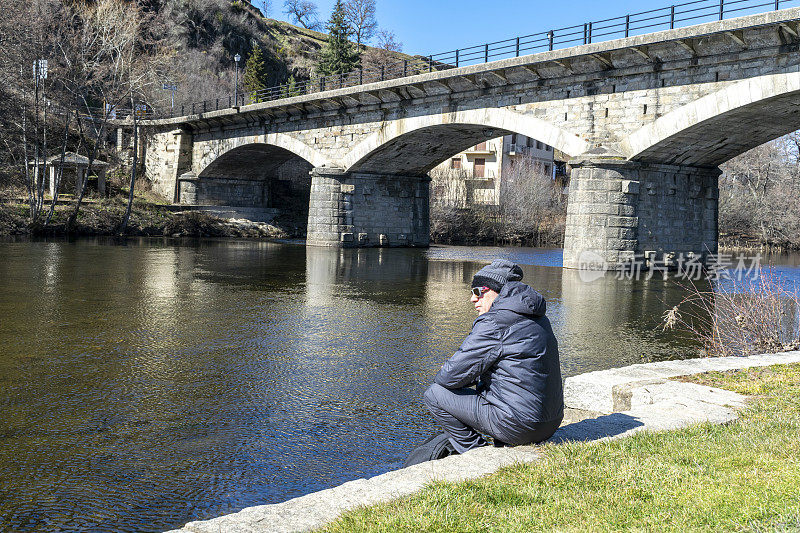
column 72, row 159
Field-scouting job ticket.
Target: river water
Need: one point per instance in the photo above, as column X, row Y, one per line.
column 148, row 384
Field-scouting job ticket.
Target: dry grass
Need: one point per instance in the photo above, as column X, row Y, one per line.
column 746, row 317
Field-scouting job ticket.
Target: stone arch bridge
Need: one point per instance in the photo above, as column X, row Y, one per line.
column 647, row 120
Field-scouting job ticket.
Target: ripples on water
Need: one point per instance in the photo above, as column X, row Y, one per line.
column 147, row 385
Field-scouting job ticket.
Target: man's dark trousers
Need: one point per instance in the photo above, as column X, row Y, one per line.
column 464, row 414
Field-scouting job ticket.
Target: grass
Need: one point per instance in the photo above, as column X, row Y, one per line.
column 743, row 476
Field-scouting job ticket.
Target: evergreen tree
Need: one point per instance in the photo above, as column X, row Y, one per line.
column 339, row 55
column 255, row 74
column 290, row 88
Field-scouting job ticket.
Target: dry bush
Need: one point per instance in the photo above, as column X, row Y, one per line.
column 449, row 187
column 532, row 206
column 203, row 36
column 461, row 226
column 384, row 55
column 741, row 317
column 454, row 220
column 532, row 209
column 195, row 223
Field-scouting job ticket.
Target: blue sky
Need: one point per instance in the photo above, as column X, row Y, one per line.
column 433, row 26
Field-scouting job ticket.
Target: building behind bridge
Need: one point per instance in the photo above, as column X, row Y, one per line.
column 474, row 176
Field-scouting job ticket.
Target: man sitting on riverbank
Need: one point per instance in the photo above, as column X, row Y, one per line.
column 511, row 356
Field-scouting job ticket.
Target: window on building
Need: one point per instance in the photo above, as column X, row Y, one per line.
column 547, row 171
column 513, row 138
column 547, row 147
column 455, row 163
column 479, row 169
column 538, row 145
column 529, row 142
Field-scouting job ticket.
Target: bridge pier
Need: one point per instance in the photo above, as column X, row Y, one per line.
column 358, row 209
column 621, row 210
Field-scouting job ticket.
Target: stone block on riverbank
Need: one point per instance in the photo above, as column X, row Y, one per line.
column 608, row 391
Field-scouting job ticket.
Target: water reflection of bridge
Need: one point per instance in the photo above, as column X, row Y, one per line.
column 600, row 324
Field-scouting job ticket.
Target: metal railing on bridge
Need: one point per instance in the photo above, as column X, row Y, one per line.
column 670, row 17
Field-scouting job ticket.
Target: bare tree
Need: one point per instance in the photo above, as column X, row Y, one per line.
column 266, row 7
column 449, row 188
column 384, row 55
column 531, row 203
column 304, row 12
column 360, row 16
column 12, row 67
column 758, row 193
column 134, row 164
column 107, row 48
column 29, row 46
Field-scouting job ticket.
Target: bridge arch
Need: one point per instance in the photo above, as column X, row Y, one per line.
column 277, row 145
column 258, row 177
column 721, row 125
column 415, row 145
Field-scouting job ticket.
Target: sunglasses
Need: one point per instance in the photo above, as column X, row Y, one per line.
column 478, row 291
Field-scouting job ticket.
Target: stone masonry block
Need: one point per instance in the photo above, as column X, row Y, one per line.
column 621, row 244
column 626, row 233
column 618, row 198
column 593, row 209
column 623, row 222
column 630, row 187
column 594, row 185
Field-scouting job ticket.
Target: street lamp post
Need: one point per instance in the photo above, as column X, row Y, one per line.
column 236, row 59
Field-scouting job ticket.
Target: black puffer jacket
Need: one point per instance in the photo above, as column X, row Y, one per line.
column 512, row 351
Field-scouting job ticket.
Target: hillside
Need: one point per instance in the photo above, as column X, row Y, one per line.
column 206, row 34
column 188, row 44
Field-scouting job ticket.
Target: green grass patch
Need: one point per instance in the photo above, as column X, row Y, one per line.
column 743, row 476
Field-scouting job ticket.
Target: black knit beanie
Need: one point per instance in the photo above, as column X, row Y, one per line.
column 497, row 274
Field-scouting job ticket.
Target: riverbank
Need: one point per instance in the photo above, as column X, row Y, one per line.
column 149, row 218
column 742, row 475
column 743, row 241
column 712, row 451
column 482, row 227
column 103, row 217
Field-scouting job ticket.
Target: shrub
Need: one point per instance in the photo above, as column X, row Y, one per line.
column 741, row 318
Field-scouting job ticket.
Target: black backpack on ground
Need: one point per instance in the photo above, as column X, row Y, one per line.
column 436, row 447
